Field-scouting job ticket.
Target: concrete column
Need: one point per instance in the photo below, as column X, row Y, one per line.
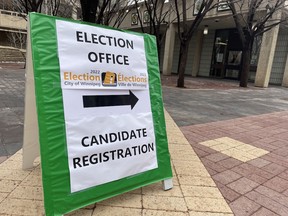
column 169, row 50
column 198, row 50
column 285, row 75
column 266, row 57
column 74, row 12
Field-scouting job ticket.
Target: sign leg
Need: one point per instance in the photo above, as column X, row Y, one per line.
column 31, row 137
column 167, row 184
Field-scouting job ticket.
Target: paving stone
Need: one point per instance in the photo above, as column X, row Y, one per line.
column 21, row 207
column 192, row 168
column 148, row 212
column 277, row 184
column 27, row 192
column 115, row 211
column 242, row 185
column 32, row 180
column 216, row 157
column 268, row 203
column 12, row 148
column 16, row 175
column 201, row 191
column 211, row 171
column 229, row 163
column 279, row 143
column 200, row 152
column 204, row 148
column 284, row 175
column 244, row 206
column 276, row 159
column 259, row 162
column 82, row 212
column 274, row 168
column 200, row 204
column 124, row 200
column 164, row 203
column 3, row 152
column 13, row 134
column 196, row 180
column 11, row 164
column 252, row 169
column 256, row 178
column 139, row 191
column 3, row 196
column 246, row 138
column 226, row 177
column 92, row 206
column 221, row 148
column 3, row 158
column 193, row 213
column 281, row 151
column 266, row 140
column 264, row 212
column 157, row 189
column 214, row 166
column 285, row 193
column 229, row 194
column 210, row 143
column 258, row 152
column 278, row 197
column 193, row 137
column 7, row 186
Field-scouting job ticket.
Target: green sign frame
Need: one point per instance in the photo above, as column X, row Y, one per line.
column 58, row 199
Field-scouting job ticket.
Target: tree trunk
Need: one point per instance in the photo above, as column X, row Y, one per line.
column 245, row 69
column 159, row 53
column 182, row 62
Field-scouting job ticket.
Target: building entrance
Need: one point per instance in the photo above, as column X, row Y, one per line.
column 227, row 55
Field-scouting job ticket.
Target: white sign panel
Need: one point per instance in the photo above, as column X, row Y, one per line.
column 109, row 124
column 100, row 58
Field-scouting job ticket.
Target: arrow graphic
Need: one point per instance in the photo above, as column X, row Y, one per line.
column 109, row 100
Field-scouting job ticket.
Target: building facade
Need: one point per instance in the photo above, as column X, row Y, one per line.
column 12, row 29
column 217, row 53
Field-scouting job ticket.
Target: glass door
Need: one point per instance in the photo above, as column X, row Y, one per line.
column 219, row 54
column 234, row 56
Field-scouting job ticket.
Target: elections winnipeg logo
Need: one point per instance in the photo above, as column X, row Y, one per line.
column 109, row 79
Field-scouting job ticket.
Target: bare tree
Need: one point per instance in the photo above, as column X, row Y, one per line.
column 49, row 7
column 186, row 29
column 17, row 39
column 115, row 13
column 26, row 6
column 155, row 19
column 18, row 42
column 252, row 18
column 52, row 7
column 105, row 12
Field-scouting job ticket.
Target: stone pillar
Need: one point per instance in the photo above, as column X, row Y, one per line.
column 74, row 12
column 169, row 50
column 197, row 55
column 285, row 75
column 266, row 57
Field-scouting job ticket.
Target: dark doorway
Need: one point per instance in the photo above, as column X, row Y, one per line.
column 227, row 55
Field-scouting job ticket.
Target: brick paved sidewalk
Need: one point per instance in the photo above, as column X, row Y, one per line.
column 247, row 159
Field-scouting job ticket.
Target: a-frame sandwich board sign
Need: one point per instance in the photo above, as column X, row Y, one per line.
column 99, row 109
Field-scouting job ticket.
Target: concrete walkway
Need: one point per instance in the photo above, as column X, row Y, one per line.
column 194, row 192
